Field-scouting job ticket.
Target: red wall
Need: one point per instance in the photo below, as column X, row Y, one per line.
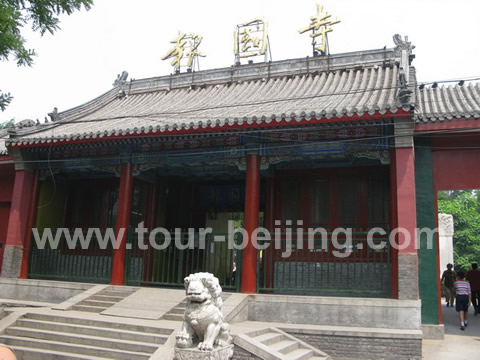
column 7, row 176
column 456, row 162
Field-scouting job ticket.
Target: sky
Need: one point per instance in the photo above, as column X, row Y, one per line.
column 81, row 61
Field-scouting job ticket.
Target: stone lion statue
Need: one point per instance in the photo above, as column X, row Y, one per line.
column 203, row 318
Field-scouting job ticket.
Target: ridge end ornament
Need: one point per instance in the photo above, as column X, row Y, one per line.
column 319, row 25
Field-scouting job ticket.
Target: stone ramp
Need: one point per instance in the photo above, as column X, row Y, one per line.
column 72, row 335
column 273, row 344
column 146, row 303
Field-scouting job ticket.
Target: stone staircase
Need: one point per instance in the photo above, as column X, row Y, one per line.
column 37, row 336
column 176, row 313
column 104, row 299
column 274, row 344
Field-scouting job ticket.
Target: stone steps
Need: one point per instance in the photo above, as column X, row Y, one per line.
column 25, row 353
column 275, row 344
column 108, row 298
column 60, row 318
column 103, row 300
column 176, row 313
column 96, row 341
column 34, row 344
column 173, row 317
column 103, row 332
column 89, row 308
column 56, row 336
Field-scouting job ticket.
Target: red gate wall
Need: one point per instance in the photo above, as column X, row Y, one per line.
column 6, row 189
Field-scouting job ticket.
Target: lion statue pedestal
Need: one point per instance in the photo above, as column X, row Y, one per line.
column 222, row 353
column 204, row 334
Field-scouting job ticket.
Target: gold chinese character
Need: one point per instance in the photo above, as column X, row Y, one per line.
column 177, row 52
column 251, row 45
column 181, row 50
column 194, row 43
column 319, row 27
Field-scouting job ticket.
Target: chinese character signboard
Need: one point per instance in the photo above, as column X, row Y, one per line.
column 319, row 26
column 251, row 39
column 185, row 48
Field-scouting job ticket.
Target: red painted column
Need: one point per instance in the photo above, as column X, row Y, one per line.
column 406, row 203
column 393, row 225
column 123, row 222
column 18, row 229
column 406, row 223
column 252, row 199
column 32, row 216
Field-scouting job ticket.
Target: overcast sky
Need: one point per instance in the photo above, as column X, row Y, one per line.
column 82, row 60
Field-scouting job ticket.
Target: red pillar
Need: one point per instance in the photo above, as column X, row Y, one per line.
column 393, row 225
column 405, row 219
column 18, row 230
column 252, row 197
column 32, row 216
column 123, row 222
column 406, row 204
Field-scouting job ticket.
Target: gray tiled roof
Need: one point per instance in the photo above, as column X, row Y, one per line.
column 3, row 136
column 350, row 85
column 448, row 103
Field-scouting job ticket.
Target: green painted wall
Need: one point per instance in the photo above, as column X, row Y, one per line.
column 426, row 213
column 51, row 203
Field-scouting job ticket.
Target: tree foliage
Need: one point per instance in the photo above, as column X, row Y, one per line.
column 42, row 15
column 464, row 205
column 7, row 124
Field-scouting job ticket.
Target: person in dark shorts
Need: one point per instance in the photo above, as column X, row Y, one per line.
column 463, row 299
column 473, row 276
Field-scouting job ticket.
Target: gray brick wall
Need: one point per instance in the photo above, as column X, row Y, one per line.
column 12, row 261
column 333, row 278
column 407, row 276
column 365, row 348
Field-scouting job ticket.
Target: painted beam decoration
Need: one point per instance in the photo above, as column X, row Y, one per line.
column 320, row 26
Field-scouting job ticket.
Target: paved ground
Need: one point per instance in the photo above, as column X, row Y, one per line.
column 458, row 344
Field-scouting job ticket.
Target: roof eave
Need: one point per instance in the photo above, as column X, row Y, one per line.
column 207, row 128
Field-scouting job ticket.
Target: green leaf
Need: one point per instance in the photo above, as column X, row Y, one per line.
column 42, row 15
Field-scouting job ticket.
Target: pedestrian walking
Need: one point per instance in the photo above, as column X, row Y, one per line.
column 463, row 299
column 448, row 279
column 473, row 277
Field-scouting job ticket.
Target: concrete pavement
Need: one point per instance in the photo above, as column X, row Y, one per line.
column 458, row 344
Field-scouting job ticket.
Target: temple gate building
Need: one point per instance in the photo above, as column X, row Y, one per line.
column 345, row 141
